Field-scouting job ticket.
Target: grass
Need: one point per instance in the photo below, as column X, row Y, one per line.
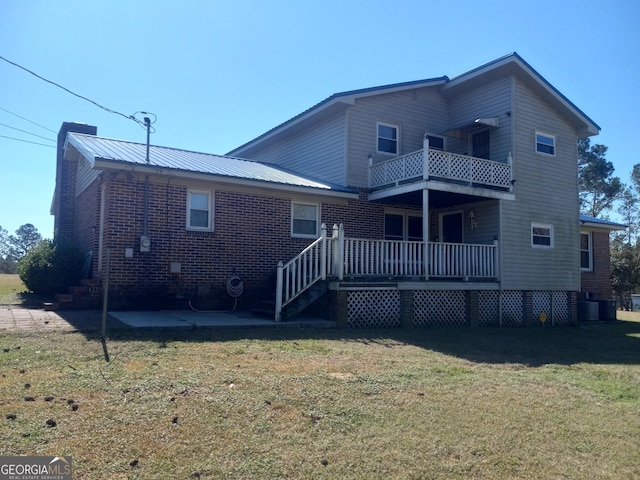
column 488, row 403
column 14, row 292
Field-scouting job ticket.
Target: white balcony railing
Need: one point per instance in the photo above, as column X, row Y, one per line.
column 441, row 165
column 341, row 257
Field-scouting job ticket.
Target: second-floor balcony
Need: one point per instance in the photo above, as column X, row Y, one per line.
column 436, row 165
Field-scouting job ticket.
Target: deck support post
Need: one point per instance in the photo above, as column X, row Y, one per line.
column 279, row 278
column 425, row 232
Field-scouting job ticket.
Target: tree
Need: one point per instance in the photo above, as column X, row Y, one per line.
column 628, row 209
column 625, row 268
column 26, row 237
column 598, row 187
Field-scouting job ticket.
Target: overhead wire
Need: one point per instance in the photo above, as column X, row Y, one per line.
column 27, row 120
column 129, row 117
column 27, row 141
column 28, row 133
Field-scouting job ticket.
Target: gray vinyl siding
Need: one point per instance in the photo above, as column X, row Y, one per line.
column 546, row 192
column 491, row 100
column 318, row 152
column 413, row 111
column 85, row 175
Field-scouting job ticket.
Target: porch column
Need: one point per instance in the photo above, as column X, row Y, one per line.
column 425, row 231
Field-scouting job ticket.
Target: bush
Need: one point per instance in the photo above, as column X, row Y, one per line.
column 51, row 267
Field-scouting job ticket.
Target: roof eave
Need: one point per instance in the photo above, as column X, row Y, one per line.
column 515, row 64
column 150, row 169
column 336, row 102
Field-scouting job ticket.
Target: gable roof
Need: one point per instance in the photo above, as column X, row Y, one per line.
column 512, row 64
column 110, row 154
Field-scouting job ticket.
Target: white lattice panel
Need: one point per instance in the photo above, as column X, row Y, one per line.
column 438, row 164
column 482, row 172
column 373, row 308
column 502, row 174
column 512, row 308
column 560, row 308
column 377, row 176
column 459, row 168
column 414, row 164
column 394, row 171
column 488, row 311
column 440, row 308
column 541, row 303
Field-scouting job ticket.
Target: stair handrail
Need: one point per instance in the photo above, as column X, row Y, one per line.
column 301, row 272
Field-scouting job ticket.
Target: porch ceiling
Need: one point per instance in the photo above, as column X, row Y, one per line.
column 437, row 199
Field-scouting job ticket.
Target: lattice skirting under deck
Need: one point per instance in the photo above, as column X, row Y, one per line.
column 453, row 308
column 373, row 308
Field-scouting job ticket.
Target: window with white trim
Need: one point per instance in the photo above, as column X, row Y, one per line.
column 200, row 210
column 541, row 235
column 305, row 219
column 586, row 249
column 545, row 143
column 400, row 225
column 388, row 139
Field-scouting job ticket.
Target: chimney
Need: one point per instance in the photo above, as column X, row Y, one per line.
column 63, row 207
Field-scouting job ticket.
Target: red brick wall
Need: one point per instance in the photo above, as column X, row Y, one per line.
column 598, row 281
column 251, row 235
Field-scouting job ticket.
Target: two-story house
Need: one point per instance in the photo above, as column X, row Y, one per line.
column 444, row 202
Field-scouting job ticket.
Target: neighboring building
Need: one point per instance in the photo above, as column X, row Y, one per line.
column 595, row 261
column 458, row 201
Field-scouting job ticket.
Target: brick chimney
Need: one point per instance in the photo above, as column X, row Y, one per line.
column 63, row 207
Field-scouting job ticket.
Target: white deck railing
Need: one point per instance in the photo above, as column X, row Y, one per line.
column 341, row 257
column 441, row 165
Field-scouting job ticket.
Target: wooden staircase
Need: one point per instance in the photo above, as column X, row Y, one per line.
column 307, row 298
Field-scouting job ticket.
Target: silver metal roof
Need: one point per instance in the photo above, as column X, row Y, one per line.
column 130, row 153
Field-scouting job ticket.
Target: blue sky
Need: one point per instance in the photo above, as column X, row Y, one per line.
column 218, row 74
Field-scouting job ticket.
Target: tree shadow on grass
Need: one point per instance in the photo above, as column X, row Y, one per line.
column 616, row 342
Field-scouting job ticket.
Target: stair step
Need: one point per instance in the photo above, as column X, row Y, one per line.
column 64, row 297
column 79, row 290
column 49, row 306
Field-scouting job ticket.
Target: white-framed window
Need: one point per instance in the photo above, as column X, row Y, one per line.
column 541, row 235
column 388, row 138
column 436, row 142
column 305, row 219
column 200, row 210
column 399, row 225
column 586, row 251
column 545, row 143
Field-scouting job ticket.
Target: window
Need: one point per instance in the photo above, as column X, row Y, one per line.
column 388, row 139
column 585, row 251
column 199, row 210
column 436, row 142
column 305, row 218
column 402, row 226
column 541, row 235
column 545, row 143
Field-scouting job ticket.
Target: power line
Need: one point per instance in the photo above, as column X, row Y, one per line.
column 130, row 117
column 27, row 141
column 26, row 119
column 28, row 133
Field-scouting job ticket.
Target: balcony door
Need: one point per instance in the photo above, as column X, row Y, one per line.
column 451, row 227
column 480, row 144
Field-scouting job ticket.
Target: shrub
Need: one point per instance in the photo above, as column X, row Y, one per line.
column 51, row 267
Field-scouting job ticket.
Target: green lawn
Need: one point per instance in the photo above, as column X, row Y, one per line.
column 485, row 403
